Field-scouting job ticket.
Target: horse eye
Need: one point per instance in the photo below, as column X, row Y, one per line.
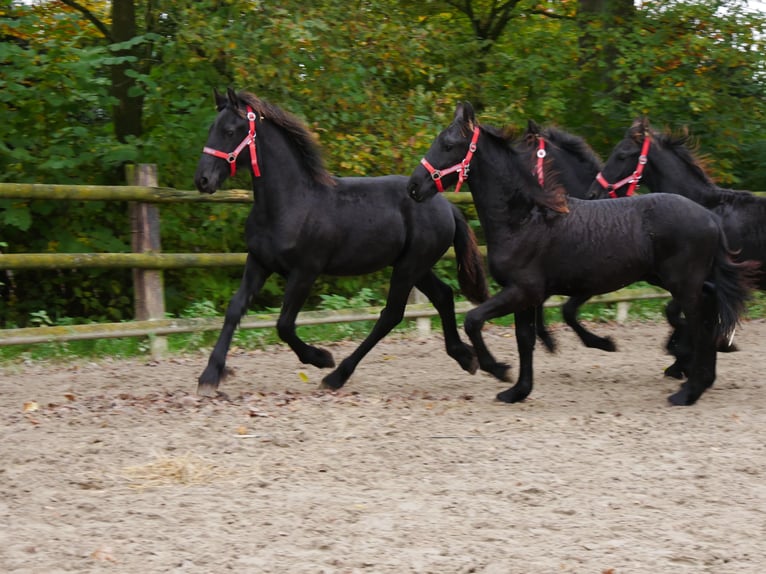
column 229, row 133
column 448, row 146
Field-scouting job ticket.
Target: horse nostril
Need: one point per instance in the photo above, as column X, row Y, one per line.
column 412, row 190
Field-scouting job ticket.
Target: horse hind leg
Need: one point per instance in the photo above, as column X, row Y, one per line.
column 679, row 343
column 440, row 295
column 590, row 340
column 701, row 326
column 542, row 331
column 391, row 315
column 253, row 279
column 297, row 291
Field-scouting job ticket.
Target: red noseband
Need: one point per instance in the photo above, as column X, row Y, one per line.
column 231, row 157
column 461, row 168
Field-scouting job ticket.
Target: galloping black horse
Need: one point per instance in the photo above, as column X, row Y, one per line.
column 666, row 164
column 576, row 166
column 304, row 222
column 540, row 243
column 669, row 166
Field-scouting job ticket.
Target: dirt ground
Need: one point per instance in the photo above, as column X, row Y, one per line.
column 118, row 466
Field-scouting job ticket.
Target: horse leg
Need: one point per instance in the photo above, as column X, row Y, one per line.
column 499, row 305
column 701, row 327
column 591, row 340
column 253, row 279
column 541, row 331
column 440, row 295
column 525, row 341
column 297, row 291
column 679, row 343
column 391, row 315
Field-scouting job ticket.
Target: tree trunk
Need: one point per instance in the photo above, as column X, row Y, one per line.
column 128, row 112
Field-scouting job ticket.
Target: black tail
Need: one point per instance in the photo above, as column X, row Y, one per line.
column 734, row 282
column 470, row 262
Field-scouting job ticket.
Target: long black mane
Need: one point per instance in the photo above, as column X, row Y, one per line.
column 305, row 142
column 575, row 145
column 552, row 195
column 684, row 147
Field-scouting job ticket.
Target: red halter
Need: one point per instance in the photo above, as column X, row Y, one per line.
column 633, row 179
column 539, row 170
column 461, row 168
column 249, row 140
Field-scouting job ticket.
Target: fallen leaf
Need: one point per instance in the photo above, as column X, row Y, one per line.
column 303, row 376
column 31, row 406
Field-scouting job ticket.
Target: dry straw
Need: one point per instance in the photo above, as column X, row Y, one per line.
column 184, row 470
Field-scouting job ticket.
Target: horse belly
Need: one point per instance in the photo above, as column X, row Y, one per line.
column 596, row 268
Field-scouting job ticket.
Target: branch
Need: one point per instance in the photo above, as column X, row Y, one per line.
column 90, row 16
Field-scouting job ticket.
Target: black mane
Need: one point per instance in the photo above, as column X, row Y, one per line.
column 574, row 144
column 303, row 139
column 553, row 195
column 683, row 147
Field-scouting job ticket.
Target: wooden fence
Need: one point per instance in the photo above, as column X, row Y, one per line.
column 148, row 262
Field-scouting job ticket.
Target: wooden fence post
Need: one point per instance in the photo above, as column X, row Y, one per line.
column 145, row 237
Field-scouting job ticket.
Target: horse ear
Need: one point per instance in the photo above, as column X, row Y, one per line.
column 639, row 128
column 232, row 97
column 645, row 125
column 533, row 128
column 464, row 113
column 220, row 100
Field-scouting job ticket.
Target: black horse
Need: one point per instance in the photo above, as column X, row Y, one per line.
column 670, row 166
column 666, row 164
column 541, row 243
column 305, row 222
column 576, row 166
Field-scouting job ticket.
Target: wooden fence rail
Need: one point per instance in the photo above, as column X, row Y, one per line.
column 159, row 326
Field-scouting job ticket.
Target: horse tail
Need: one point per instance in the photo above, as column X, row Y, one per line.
column 470, row 262
column 733, row 282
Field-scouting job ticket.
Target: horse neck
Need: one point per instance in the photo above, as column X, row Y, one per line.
column 573, row 174
column 494, row 181
column 667, row 173
column 285, row 182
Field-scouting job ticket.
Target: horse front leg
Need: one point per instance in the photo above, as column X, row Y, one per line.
column 499, row 305
column 297, row 291
column 525, row 340
column 590, row 340
column 440, row 295
column 253, row 278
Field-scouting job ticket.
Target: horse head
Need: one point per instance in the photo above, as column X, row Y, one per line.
column 623, row 170
column 232, row 132
column 453, row 149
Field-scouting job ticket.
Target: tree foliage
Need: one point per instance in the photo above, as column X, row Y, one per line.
column 89, row 85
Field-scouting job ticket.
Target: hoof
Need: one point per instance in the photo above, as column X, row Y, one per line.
column 211, row 377
column 608, row 345
column 465, row 357
column 320, row 358
column 207, row 390
column 548, row 342
column 675, row 371
column 685, row 396
column 333, row 381
column 512, row 395
column 501, row 371
column 681, row 399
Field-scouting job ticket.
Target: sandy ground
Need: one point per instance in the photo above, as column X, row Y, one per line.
column 117, row 466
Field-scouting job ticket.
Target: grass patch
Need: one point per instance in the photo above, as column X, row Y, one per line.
column 645, row 310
